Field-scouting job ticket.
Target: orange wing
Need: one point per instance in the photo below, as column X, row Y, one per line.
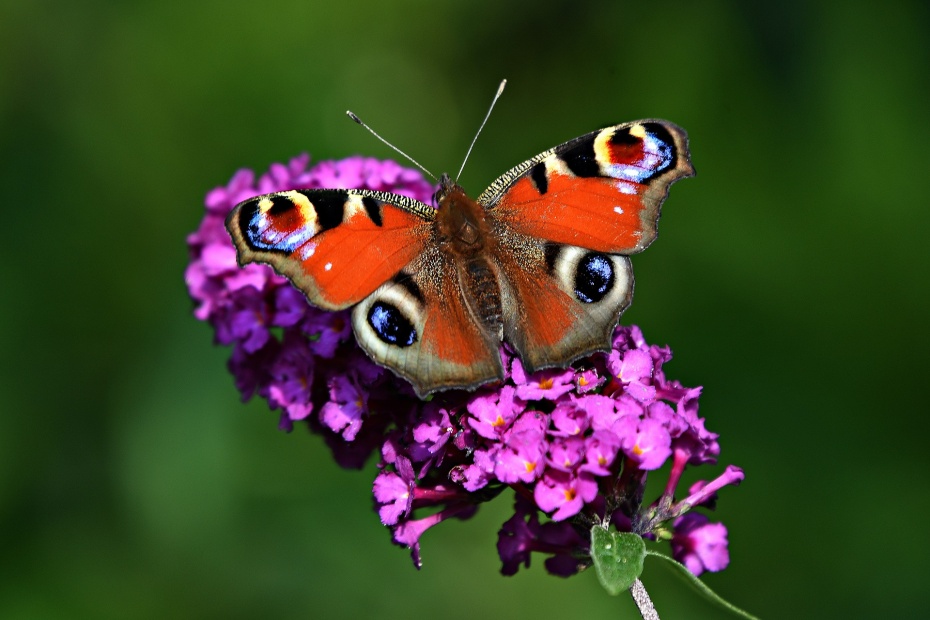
column 602, row 191
column 561, row 301
column 375, row 251
column 419, row 325
column 337, row 246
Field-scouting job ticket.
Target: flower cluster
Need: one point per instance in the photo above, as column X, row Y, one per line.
column 574, row 444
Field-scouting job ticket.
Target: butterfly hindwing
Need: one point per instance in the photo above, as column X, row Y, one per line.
column 420, row 326
column 563, row 301
column 601, row 191
column 337, row 246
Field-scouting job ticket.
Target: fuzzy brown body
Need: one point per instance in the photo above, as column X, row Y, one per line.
column 464, row 234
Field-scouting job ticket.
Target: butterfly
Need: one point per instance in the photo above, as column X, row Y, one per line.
column 540, row 259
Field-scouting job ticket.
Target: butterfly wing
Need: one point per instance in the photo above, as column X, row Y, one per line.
column 602, row 191
column 375, row 251
column 570, row 216
column 337, row 246
column 419, row 325
column 561, row 301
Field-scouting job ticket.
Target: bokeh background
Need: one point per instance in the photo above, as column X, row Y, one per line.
column 790, row 278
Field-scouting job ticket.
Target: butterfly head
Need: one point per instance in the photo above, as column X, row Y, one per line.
column 446, row 187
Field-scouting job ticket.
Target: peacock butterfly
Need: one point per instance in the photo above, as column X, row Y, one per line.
column 540, row 259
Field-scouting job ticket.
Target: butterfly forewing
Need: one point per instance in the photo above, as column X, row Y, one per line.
column 337, row 246
column 602, row 191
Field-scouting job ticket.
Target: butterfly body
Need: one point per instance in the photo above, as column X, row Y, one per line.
column 539, row 259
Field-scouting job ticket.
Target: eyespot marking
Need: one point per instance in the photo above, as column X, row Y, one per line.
column 594, row 278
column 390, row 325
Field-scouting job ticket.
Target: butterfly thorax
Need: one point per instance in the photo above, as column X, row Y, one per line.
column 461, row 223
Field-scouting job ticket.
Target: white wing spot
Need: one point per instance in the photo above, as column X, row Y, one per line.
column 623, row 186
column 307, row 250
column 328, row 266
column 618, row 210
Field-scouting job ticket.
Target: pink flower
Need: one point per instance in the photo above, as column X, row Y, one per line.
column 634, row 369
column 699, row 544
column 543, row 384
column 565, row 494
column 346, row 408
column 494, row 411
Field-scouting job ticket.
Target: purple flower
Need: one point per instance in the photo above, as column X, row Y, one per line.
column 601, row 450
column 600, row 412
column 566, row 454
column 251, row 370
column 326, row 330
column 703, row 492
column 348, row 404
column 245, row 320
column 523, row 534
column 587, row 381
column 520, row 458
column 699, row 544
column 494, row 412
column 634, row 369
column 570, row 419
column 515, row 541
column 291, row 379
column 479, row 473
column 564, row 493
column 431, row 432
column 644, row 441
column 394, row 496
column 290, row 306
column 542, row 384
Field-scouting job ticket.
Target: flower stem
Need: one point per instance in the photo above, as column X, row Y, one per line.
column 646, row 609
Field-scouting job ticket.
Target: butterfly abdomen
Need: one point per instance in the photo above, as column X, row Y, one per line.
column 483, row 293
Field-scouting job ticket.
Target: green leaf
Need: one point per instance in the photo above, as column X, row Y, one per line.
column 618, row 558
column 700, row 586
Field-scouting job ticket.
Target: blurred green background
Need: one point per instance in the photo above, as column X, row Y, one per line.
column 790, row 278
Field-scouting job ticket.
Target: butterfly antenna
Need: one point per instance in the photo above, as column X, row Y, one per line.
column 500, row 90
column 375, row 134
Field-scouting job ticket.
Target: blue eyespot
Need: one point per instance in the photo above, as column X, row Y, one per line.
column 594, row 278
column 390, row 325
